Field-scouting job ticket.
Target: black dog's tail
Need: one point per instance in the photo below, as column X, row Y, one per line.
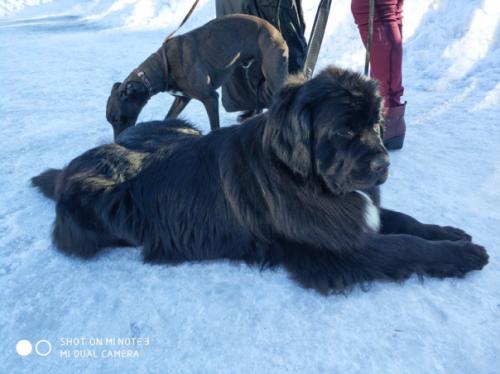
column 46, row 182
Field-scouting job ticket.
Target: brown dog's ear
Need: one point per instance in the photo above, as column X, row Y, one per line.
column 130, row 89
column 134, row 90
column 287, row 132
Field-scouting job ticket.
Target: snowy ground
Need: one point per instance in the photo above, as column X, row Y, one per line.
column 58, row 61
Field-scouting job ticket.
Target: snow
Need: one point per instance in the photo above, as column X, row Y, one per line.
column 58, row 61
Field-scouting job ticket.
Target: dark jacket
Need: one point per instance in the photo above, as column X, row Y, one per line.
column 239, row 93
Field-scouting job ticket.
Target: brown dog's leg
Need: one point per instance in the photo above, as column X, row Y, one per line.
column 178, row 106
column 274, row 68
column 211, row 104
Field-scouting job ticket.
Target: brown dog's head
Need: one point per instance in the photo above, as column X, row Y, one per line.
column 125, row 103
column 329, row 129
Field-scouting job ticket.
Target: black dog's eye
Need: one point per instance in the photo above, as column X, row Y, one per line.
column 348, row 134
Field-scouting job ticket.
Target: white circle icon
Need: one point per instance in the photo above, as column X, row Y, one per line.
column 23, row 347
column 43, row 347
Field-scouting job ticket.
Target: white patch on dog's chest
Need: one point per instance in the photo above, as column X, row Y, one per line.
column 371, row 214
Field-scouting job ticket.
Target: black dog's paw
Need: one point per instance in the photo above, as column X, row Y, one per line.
column 454, row 233
column 470, row 256
column 448, row 233
column 457, row 258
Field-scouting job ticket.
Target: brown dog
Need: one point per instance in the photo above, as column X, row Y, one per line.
column 196, row 64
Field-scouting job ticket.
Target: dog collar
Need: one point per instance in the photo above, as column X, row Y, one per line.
column 146, row 82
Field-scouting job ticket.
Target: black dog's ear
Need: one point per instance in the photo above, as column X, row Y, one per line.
column 116, row 85
column 288, row 128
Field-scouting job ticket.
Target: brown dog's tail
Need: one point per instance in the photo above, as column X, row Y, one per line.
column 46, row 182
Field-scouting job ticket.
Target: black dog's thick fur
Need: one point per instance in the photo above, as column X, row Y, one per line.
column 296, row 187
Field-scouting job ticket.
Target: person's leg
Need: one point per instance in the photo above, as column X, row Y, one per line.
column 386, row 60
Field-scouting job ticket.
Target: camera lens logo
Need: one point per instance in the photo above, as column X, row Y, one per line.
column 42, row 348
column 23, row 348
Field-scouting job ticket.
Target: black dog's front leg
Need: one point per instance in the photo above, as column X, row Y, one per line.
column 178, row 106
column 398, row 223
column 384, row 257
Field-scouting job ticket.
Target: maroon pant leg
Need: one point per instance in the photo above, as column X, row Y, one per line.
column 386, row 54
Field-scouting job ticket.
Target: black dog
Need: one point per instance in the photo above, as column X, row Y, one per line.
column 296, row 186
column 196, row 64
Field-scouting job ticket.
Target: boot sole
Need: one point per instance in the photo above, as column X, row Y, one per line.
column 394, row 143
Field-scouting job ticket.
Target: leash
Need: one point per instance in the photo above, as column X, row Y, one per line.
column 278, row 11
column 316, row 38
column 183, row 21
column 371, row 14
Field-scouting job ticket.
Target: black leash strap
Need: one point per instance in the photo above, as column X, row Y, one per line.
column 371, row 15
column 183, row 21
column 316, row 38
column 278, row 12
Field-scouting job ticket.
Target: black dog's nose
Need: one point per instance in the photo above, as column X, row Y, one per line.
column 380, row 163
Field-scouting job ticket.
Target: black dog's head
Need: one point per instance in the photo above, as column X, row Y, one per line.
column 330, row 128
column 125, row 103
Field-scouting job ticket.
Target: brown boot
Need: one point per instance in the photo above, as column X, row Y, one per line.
column 395, row 127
